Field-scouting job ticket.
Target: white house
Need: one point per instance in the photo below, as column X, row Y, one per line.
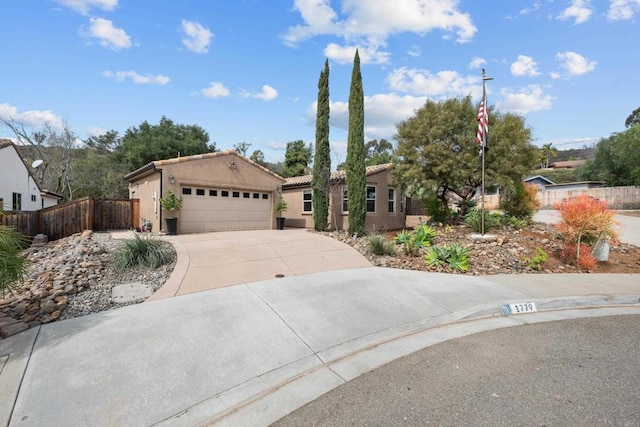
column 19, row 191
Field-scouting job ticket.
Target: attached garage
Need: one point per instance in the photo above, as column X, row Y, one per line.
column 221, row 191
column 218, row 209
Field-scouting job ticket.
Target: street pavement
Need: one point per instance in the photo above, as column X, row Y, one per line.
column 251, row 353
column 580, row 372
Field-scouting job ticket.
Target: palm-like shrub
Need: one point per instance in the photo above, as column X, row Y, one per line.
column 148, row 252
column 13, row 262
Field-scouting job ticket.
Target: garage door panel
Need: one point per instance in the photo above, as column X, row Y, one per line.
column 217, row 213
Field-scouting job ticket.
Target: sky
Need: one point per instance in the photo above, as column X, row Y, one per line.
column 247, row 70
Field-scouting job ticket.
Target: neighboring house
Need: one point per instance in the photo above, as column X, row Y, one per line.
column 19, row 191
column 568, row 164
column 538, row 180
column 385, row 205
column 222, row 191
column 579, row 185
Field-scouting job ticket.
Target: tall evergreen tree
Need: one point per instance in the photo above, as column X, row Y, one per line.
column 355, row 174
column 322, row 161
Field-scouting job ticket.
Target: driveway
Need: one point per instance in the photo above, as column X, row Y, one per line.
column 629, row 225
column 214, row 260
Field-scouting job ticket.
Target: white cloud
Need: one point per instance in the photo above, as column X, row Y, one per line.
column 580, row 11
column 574, row 63
column 108, row 36
column 32, row 118
column 197, row 38
column 370, row 23
column 554, row 75
column 477, row 62
column 525, row 100
column 623, row 9
column 83, row 6
column 524, row 66
column 369, row 54
column 268, row 93
column 215, row 90
column 96, row 131
column 139, row 79
column 415, row 51
column 381, row 113
column 440, row 84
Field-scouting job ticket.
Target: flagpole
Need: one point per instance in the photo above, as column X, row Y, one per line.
column 483, row 147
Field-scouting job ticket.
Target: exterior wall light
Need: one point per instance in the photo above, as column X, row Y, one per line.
column 172, row 179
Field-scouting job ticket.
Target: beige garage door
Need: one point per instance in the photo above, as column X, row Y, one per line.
column 219, row 209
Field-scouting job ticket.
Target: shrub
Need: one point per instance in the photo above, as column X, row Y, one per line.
column 536, row 261
column 435, row 209
column 412, row 242
column 521, row 201
column 584, row 220
column 138, row 252
column 512, row 221
column 581, row 256
column 473, row 220
column 455, row 255
column 13, row 262
column 379, row 245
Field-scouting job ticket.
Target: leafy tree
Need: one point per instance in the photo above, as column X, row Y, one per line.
column 546, row 152
column 242, row 148
column 436, row 151
column 617, row 160
column 258, row 157
column 146, row 143
column 322, row 161
column 633, row 119
column 100, row 168
column 378, row 152
column 296, row 159
column 355, row 163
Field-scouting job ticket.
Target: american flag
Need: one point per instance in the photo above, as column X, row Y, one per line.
column 483, row 126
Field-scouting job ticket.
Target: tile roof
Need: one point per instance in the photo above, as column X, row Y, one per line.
column 334, row 178
column 159, row 163
column 4, row 142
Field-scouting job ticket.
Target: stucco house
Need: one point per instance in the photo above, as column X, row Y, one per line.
column 221, row 191
column 538, row 180
column 385, row 204
column 19, row 191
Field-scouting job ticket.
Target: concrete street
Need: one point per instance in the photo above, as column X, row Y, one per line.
column 571, row 373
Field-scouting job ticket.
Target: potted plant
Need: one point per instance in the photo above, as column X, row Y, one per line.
column 171, row 203
column 281, row 207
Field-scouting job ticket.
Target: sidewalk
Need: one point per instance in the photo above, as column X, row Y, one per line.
column 249, row 354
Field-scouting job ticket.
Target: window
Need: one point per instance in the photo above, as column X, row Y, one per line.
column 392, row 200
column 33, row 197
column 345, row 200
column 17, row 202
column 200, row 192
column 371, row 198
column 307, row 203
column 236, row 194
column 186, row 190
column 246, row 195
column 225, row 193
column 256, row 195
column 213, row 193
column 265, row 196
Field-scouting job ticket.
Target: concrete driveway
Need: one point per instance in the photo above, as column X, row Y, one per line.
column 214, row 260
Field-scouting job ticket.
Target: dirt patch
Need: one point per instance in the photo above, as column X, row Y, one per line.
column 629, row 213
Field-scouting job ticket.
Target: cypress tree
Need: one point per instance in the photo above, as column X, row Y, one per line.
column 322, row 160
column 355, row 163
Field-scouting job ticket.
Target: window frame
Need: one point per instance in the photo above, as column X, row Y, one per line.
column 374, row 199
column 345, row 200
column 391, row 200
column 308, row 192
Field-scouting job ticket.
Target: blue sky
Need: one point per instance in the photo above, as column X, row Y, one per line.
column 247, row 70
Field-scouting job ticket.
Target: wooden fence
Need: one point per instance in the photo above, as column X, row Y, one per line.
column 76, row 216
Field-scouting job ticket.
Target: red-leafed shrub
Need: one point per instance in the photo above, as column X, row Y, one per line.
column 585, row 221
column 582, row 258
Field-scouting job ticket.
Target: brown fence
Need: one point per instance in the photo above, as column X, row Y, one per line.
column 76, row 216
